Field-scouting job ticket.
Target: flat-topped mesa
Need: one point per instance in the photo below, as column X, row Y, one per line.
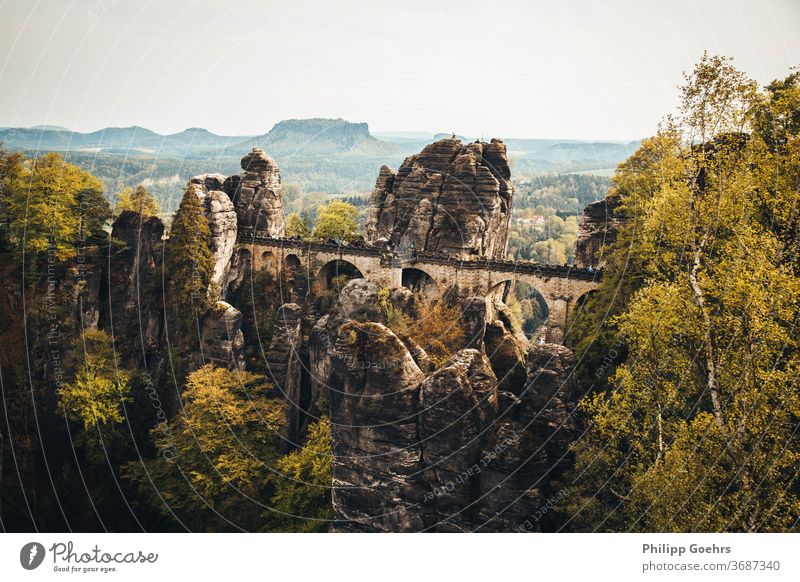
column 256, row 195
column 450, row 198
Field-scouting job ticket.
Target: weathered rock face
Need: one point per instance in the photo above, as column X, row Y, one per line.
column 457, row 406
column 376, row 450
column 132, row 305
column 221, row 339
column 285, row 368
column 508, row 360
column 357, row 301
column 474, row 313
column 250, row 201
column 597, row 229
column 451, row 197
column 549, row 400
column 319, row 364
column 256, row 194
column 419, row 449
column 221, row 220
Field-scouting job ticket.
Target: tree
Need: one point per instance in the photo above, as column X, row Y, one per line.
column 11, row 166
column 296, row 226
column 337, row 220
column 97, row 396
column 215, row 458
column 189, row 267
column 439, row 329
column 698, row 429
column 51, row 206
column 137, row 200
column 303, row 482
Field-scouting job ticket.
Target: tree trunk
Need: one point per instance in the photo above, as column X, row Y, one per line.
column 708, row 346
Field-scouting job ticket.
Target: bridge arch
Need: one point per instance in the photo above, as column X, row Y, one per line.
column 531, row 304
column 334, row 274
column 582, row 299
column 289, row 278
column 267, row 261
column 420, row 283
column 291, row 262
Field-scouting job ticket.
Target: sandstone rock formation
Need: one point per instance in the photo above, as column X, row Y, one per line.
column 221, row 220
column 221, row 339
column 419, row 449
column 250, row 202
column 285, row 367
column 256, row 194
column 474, row 314
column 597, row 229
column 376, row 450
column 451, row 197
column 549, row 400
column 457, row 406
column 134, row 313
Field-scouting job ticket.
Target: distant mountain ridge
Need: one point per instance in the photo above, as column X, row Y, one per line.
column 135, row 138
column 332, row 156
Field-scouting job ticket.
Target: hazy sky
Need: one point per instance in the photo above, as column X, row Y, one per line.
column 602, row 70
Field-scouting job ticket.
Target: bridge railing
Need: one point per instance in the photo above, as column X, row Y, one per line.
column 247, row 236
column 510, row 266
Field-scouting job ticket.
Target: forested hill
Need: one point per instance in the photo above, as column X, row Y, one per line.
column 331, row 156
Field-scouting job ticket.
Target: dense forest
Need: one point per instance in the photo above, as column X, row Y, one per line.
column 689, row 349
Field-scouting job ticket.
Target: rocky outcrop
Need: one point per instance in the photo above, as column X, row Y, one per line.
column 376, row 450
column 249, row 202
column 549, row 399
column 221, row 339
column 222, row 222
column 451, row 197
column 474, row 314
column 133, row 312
column 423, row 449
column 506, row 356
column 319, row 365
column 357, row 301
column 457, row 406
column 285, row 368
column 597, row 229
column 256, row 195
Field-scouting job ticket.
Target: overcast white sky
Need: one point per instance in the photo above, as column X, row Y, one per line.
column 587, row 70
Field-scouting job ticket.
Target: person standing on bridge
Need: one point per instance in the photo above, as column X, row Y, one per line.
column 412, row 249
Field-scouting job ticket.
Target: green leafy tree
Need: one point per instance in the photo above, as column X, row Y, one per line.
column 698, row 429
column 296, row 226
column 97, row 396
column 337, row 220
column 137, row 200
column 303, row 480
column 214, row 459
column 11, row 166
column 51, row 206
column 188, row 269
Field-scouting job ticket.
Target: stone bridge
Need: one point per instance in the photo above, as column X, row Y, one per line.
column 561, row 287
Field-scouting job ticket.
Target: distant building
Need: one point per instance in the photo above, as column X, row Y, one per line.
column 535, row 220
